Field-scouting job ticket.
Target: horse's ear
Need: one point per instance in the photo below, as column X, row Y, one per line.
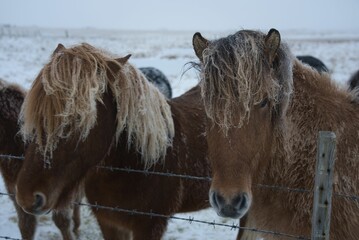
column 272, row 43
column 59, row 48
column 123, row 60
column 114, row 67
column 199, row 45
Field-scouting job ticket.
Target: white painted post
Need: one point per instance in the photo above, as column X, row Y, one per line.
column 322, row 204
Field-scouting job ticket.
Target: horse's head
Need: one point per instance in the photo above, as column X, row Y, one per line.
column 76, row 110
column 68, row 123
column 246, row 83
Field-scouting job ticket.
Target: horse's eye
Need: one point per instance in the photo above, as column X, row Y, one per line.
column 263, row 103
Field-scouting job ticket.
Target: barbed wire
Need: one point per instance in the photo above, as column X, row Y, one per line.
column 350, row 197
column 147, row 172
column 282, row 188
column 12, row 157
column 190, row 219
column 7, row 194
column 10, row 238
column 168, row 174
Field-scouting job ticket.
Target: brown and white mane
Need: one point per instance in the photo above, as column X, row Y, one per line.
column 69, row 87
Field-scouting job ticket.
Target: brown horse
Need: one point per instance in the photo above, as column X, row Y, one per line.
column 264, row 110
column 87, row 109
column 11, row 99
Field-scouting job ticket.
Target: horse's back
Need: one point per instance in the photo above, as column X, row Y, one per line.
column 159, row 79
column 314, row 63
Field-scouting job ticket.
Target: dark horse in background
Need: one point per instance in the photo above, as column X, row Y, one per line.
column 87, row 109
column 11, row 99
column 264, row 111
column 354, row 81
column 159, row 79
column 314, row 62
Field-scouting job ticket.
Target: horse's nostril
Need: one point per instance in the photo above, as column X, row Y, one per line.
column 220, row 200
column 241, row 201
column 39, row 202
column 216, row 199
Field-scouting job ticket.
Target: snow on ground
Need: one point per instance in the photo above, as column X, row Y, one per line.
column 23, row 52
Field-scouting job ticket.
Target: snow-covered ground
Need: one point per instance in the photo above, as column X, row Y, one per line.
column 23, row 51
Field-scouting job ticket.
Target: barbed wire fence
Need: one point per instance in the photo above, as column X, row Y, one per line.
column 352, row 197
column 189, row 219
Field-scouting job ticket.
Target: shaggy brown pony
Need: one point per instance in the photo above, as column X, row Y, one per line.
column 87, row 109
column 11, row 99
column 264, row 111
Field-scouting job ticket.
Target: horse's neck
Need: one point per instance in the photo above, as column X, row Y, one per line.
column 188, row 146
column 316, row 105
column 125, row 155
column 191, row 98
column 189, row 119
column 188, row 113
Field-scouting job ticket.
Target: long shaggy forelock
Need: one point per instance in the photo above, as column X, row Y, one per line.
column 62, row 99
column 142, row 110
column 236, row 76
column 63, row 102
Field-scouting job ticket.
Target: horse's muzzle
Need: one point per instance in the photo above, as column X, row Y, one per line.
column 38, row 206
column 234, row 207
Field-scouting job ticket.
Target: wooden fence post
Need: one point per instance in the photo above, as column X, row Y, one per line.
column 322, row 204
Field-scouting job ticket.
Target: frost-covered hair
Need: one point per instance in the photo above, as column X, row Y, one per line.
column 236, row 75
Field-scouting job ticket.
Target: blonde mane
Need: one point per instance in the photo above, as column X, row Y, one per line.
column 62, row 102
column 236, row 76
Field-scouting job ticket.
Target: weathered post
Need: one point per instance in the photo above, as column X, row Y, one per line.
column 322, row 204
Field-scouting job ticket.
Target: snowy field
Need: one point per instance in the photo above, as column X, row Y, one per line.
column 23, row 52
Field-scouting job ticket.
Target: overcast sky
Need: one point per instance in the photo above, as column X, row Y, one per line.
column 198, row 15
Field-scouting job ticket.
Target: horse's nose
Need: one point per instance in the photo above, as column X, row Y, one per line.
column 39, row 202
column 234, row 207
